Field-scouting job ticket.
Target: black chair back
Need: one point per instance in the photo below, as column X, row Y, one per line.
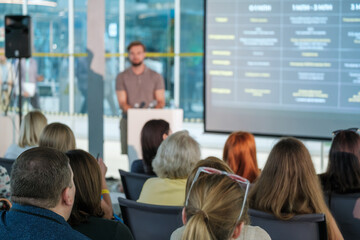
column 307, row 226
column 346, row 211
column 147, row 221
column 7, row 163
column 133, row 183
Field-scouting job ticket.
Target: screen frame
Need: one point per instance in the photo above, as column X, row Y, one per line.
column 205, row 92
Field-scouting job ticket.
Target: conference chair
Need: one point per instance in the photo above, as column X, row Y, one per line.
column 7, row 163
column 346, row 211
column 133, row 183
column 147, row 221
column 307, row 226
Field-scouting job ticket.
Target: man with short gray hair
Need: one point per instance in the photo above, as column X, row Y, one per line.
column 43, row 191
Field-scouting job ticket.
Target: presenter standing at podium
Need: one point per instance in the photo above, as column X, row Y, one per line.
column 137, row 87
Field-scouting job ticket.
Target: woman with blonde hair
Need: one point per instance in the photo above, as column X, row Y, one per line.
column 30, row 130
column 215, row 207
column 288, row 185
column 173, row 162
column 240, row 155
column 219, row 210
column 59, row 136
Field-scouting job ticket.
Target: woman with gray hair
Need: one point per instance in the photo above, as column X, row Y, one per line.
column 175, row 158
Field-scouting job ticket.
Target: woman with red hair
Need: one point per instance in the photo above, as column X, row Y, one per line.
column 240, row 155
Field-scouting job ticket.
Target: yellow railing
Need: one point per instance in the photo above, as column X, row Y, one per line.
column 111, row 55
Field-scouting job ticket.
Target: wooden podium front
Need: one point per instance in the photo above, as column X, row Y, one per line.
column 137, row 119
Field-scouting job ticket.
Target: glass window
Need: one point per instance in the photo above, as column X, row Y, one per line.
column 81, row 66
column 152, row 22
column 191, row 68
column 7, row 9
column 7, row 102
column 49, row 39
column 112, row 38
column 49, row 47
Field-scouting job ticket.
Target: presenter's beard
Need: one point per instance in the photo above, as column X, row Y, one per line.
column 136, row 64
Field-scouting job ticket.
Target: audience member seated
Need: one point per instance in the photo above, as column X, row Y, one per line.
column 59, row 136
column 343, row 171
column 43, row 194
column 30, row 130
column 248, row 232
column 106, row 204
column 173, row 162
column 4, row 183
column 215, row 206
column 341, row 182
column 288, row 185
column 87, row 213
column 152, row 134
column 240, row 155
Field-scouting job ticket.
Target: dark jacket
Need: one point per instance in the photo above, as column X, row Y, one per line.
column 99, row 228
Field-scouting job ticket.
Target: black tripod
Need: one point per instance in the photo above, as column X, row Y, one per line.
column 20, row 91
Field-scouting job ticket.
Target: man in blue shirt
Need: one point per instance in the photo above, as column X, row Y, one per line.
column 43, row 192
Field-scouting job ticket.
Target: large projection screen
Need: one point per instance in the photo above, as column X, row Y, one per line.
column 282, row 68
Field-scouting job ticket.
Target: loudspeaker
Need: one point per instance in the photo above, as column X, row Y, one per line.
column 17, row 36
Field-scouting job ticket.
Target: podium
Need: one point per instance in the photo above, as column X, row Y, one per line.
column 137, row 119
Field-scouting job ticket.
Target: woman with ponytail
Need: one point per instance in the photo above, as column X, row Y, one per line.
column 215, row 206
column 210, row 215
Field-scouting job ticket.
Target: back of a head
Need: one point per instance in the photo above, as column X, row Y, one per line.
column 31, row 128
column 343, row 171
column 288, row 184
column 151, row 138
column 213, row 208
column 38, row 177
column 342, row 175
column 58, row 136
column 240, row 154
column 87, row 179
column 176, row 156
column 212, row 162
column 346, row 141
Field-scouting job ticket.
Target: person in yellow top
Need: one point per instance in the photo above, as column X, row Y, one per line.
column 175, row 158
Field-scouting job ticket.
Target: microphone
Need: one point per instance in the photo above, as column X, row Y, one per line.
column 152, row 104
column 141, row 105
